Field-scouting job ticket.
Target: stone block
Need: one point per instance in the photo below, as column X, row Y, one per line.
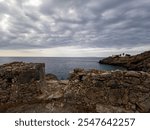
column 20, row 82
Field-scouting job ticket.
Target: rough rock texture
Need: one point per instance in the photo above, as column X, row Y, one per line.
column 94, row 91
column 51, row 77
column 51, row 100
column 111, row 91
column 23, row 84
column 20, row 83
column 140, row 62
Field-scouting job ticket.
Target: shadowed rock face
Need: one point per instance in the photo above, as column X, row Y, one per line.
column 20, row 82
column 140, row 62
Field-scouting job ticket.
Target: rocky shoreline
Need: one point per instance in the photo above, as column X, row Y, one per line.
column 24, row 87
column 140, row 62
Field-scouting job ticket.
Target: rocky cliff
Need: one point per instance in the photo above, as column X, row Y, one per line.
column 140, row 62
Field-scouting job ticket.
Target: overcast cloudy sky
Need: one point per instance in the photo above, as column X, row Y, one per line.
column 74, row 27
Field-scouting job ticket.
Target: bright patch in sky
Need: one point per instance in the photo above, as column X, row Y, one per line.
column 71, row 52
column 4, row 23
column 33, row 2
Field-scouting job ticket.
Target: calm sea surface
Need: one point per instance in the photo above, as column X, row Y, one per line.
column 61, row 66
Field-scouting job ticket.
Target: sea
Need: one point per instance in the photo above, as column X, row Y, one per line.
column 62, row 66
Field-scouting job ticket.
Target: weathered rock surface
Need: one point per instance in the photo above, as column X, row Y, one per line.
column 111, row 91
column 51, row 77
column 20, row 83
column 140, row 62
column 85, row 91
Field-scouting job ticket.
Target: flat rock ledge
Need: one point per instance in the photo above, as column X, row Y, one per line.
column 85, row 91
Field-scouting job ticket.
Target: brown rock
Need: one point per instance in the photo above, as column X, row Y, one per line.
column 51, row 77
column 20, row 82
column 110, row 109
column 86, row 91
column 138, row 62
column 133, row 74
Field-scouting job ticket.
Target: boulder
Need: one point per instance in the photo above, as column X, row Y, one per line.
column 51, row 77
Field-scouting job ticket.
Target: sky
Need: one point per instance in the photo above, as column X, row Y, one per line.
column 74, row 28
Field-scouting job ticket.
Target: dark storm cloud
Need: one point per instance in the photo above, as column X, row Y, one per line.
column 84, row 23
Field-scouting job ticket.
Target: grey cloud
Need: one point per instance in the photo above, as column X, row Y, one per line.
column 84, row 23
